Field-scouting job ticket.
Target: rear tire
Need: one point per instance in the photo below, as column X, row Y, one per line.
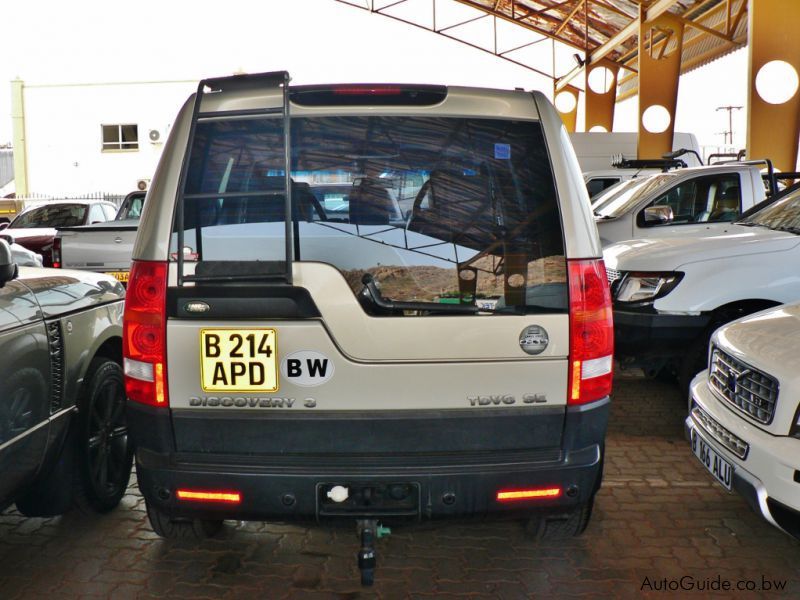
column 103, row 451
column 561, row 526
column 181, row 529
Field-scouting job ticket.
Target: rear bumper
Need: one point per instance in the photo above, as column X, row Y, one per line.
column 448, row 485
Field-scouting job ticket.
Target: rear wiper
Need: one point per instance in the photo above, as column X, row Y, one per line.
column 377, row 298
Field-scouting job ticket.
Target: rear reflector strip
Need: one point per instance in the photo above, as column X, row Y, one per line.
column 205, row 496
column 532, row 494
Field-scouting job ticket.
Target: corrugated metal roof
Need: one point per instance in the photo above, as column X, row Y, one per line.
column 713, row 28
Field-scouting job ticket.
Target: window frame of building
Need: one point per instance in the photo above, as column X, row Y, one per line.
column 120, row 142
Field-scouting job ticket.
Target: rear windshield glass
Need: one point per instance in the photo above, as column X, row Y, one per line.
column 437, row 210
column 55, row 215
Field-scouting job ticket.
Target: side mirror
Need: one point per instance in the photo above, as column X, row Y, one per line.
column 4, row 224
column 658, row 215
column 8, row 267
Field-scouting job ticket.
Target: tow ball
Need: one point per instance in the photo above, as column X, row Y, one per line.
column 368, row 531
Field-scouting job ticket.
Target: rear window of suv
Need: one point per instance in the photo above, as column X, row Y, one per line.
column 439, row 210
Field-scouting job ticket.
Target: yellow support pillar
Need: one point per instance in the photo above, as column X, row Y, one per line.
column 601, row 95
column 773, row 104
column 660, row 45
column 18, row 133
column 566, row 103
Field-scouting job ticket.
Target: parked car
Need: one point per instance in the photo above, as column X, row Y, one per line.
column 35, row 227
column 102, row 247
column 744, row 413
column 318, row 376
column 63, row 432
column 699, row 200
column 670, row 294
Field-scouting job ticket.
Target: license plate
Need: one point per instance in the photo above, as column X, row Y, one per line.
column 119, row 275
column 720, row 468
column 239, row 360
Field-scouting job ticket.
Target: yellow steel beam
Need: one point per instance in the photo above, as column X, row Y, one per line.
column 569, row 117
column 659, row 74
column 649, row 14
column 600, row 105
column 773, row 124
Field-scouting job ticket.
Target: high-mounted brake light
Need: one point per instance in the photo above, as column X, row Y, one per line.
column 209, row 496
column 368, row 94
column 528, row 494
column 591, row 332
column 371, row 90
column 144, row 334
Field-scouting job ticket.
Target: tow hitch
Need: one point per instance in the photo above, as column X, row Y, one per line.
column 368, row 531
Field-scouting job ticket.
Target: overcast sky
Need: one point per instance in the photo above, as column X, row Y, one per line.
column 317, row 41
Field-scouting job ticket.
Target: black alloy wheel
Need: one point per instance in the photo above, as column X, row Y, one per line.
column 104, row 452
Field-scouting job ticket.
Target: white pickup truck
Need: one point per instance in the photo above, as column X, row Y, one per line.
column 670, row 294
column 697, row 200
column 102, row 247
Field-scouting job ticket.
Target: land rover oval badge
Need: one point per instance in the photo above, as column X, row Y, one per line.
column 534, row 339
column 196, row 307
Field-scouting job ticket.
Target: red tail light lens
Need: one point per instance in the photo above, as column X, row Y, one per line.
column 144, row 332
column 591, row 332
column 56, row 253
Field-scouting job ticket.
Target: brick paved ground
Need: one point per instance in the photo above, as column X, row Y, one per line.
column 658, row 516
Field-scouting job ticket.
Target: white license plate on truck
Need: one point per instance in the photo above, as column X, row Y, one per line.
column 239, row 360
column 720, row 468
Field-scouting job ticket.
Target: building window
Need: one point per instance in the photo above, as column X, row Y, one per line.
column 120, row 137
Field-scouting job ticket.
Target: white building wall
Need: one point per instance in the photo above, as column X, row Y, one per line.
column 63, row 128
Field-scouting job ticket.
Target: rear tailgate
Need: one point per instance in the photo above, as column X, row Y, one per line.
column 99, row 248
column 244, row 382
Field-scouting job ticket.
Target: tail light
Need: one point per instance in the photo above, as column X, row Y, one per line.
column 55, row 253
column 144, row 334
column 591, row 332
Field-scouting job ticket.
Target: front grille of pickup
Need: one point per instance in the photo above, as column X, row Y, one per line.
column 752, row 392
column 612, row 275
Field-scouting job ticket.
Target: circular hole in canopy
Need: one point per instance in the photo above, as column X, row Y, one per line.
column 566, row 102
column 776, row 82
column 656, row 119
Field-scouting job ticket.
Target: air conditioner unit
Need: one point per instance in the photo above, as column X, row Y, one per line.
column 142, row 184
column 156, row 136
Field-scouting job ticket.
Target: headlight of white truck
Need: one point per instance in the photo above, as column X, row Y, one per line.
column 645, row 287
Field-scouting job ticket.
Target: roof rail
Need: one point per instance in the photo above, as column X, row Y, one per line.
column 734, row 156
column 680, row 152
column 665, row 164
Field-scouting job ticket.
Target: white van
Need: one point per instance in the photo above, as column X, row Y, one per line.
column 596, row 150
